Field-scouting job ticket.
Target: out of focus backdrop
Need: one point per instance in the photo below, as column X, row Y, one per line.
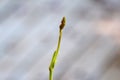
column 90, row 47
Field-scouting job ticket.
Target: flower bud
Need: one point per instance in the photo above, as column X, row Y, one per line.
column 62, row 23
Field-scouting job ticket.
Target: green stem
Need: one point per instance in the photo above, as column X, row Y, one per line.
column 53, row 61
column 51, row 75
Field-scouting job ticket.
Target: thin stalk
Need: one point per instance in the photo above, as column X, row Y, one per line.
column 54, row 58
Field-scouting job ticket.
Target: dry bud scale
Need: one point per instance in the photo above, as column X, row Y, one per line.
column 53, row 61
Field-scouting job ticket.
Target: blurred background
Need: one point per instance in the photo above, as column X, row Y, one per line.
column 90, row 47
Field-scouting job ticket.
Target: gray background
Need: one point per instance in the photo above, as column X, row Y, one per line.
column 90, row 44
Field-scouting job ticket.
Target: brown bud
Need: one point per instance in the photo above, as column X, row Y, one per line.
column 62, row 23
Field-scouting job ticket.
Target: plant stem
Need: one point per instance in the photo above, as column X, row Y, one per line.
column 53, row 61
column 51, row 75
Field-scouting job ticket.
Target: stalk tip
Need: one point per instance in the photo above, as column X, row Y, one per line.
column 63, row 22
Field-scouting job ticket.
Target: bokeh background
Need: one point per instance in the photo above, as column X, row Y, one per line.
column 90, row 48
